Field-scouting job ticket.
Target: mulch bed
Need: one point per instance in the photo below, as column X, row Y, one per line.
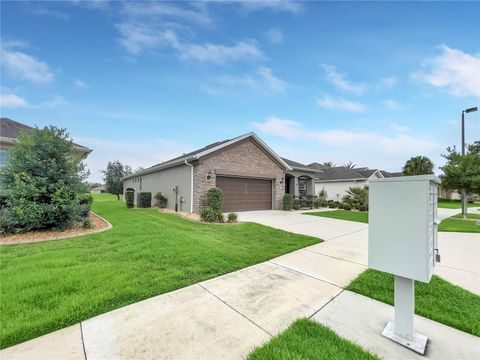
column 98, row 224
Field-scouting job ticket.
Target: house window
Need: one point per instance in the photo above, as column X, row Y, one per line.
column 302, row 188
column 3, row 157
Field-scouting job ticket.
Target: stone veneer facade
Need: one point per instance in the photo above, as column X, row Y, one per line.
column 246, row 159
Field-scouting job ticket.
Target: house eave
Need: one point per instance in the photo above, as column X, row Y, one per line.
column 338, row 180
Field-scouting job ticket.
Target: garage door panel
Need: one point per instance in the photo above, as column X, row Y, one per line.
column 241, row 194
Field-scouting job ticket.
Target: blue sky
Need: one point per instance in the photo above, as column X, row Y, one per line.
column 141, row 82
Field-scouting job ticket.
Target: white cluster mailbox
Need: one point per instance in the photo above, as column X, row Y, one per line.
column 403, row 241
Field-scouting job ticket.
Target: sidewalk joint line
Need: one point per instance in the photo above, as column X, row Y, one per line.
column 238, row 312
column 329, row 301
column 308, row 275
column 83, row 342
column 334, row 257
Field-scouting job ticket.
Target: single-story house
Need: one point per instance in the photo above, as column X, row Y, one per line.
column 251, row 175
column 98, row 190
column 337, row 180
column 10, row 132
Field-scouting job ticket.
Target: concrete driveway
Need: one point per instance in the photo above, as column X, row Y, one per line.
column 348, row 241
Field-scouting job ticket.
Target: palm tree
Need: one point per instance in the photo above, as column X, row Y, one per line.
column 418, row 165
column 350, row 165
column 329, row 164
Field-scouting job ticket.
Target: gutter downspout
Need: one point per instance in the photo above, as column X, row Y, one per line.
column 191, row 185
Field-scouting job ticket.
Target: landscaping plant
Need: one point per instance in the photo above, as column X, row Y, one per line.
column 418, row 165
column 211, row 215
column 287, row 202
column 356, row 197
column 213, row 211
column 144, row 199
column 322, row 195
column 161, row 200
column 232, row 217
column 130, row 199
column 41, row 182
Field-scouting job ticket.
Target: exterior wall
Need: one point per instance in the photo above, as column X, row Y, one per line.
column 336, row 189
column 163, row 181
column 244, row 159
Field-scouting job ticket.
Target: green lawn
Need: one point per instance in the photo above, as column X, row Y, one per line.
column 458, row 224
column 306, row 339
column 51, row 285
column 105, row 197
column 358, row 216
column 439, row 300
column 454, row 204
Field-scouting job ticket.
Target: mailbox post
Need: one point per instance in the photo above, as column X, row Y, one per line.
column 403, row 241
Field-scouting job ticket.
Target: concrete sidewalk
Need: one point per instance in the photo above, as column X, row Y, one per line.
column 226, row 317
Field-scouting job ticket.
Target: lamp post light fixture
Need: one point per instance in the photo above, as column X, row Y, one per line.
column 466, row 111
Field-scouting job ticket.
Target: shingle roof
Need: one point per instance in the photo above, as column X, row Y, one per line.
column 11, row 129
column 338, row 173
column 317, row 166
column 391, row 174
column 365, row 172
column 294, row 163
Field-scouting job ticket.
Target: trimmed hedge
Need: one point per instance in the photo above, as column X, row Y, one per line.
column 130, row 199
column 144, row 200
column 287, row 202
column 215, row 198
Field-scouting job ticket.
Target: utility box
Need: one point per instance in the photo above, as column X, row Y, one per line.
column 403, row 226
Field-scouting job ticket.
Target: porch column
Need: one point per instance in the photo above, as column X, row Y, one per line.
column 294, row 186
column 311, row 187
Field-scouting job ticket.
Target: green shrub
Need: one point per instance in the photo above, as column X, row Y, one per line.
column 296, row 207
column 322, row 195
column 215, row 198
column 346, row 206
column 85, row 199
column 41, row 182
column 302, row 203
column 211, row 215
column 324, row 203
column 87, row 223
column 144, row 199
column 287, row 202
column 232, row 217
column 161, row 200
column 130, row 199
column 332, row 204
column 362, row 208
column 317, row 203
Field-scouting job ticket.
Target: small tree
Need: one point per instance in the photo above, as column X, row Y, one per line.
column 350, row 165
column 113, row 176
column 418, row 165
column 462, row 172
column 322, row 195
column 42, row 182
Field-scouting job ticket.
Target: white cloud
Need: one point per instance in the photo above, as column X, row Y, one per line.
column 356, row 143
column 263, row 80
column 392, row 104
column 339, row 80
column 136, row 38
column 453, row 70
column 399, row 128
column 79, row 84
column 328, row 102
column 194, row 12
column 24, row 66
column 43, row 11
column 386, row 83
column 56, row 101
column 8, row 100
column 284, row 128
column 274, row 35
column 274, row 5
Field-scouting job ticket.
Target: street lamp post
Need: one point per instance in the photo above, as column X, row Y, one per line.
column 466, row 111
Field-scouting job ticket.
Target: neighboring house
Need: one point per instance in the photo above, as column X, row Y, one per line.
column 337, row 180
column 98, row 190
column 300, row 180
column 251, row 175
column 448, row 194
column 10, row 131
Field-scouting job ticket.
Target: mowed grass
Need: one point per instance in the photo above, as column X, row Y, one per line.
column 105, row 197
column 454, row 204
column 306, row 339
column 439, row 300
column 51, row 285
column 358, row 216
column 458, row 224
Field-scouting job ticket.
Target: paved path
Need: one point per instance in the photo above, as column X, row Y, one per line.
column 224, row 318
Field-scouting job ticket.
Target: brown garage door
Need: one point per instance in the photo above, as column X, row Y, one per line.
column 241, row 194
